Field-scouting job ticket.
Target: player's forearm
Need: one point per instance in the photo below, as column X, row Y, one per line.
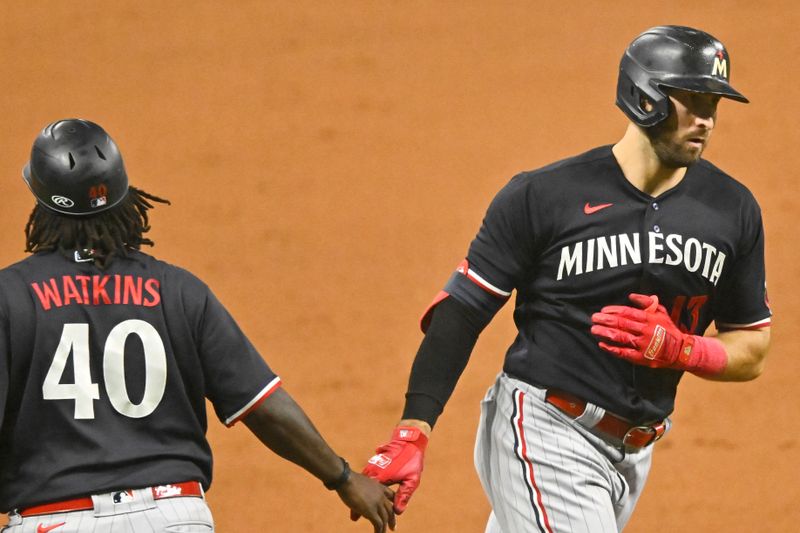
column 441, row 358
column 286, row 430
column 746, row 351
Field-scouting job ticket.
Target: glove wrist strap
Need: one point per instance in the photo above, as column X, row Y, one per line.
column 707, row 356
column 411, row 434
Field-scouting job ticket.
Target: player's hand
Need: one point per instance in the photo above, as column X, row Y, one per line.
column 644, row 334
column 368, row 498
column 399, row 461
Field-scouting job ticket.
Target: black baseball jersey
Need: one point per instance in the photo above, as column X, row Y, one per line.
column 575, row 236
column 104, row 376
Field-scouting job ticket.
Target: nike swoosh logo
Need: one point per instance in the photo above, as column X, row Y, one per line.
column 589, row 209
column 45, row 529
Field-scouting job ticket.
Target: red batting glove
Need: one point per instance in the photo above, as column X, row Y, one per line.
column 645, row 335
column 399, row 461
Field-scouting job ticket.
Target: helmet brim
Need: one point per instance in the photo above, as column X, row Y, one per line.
column 705, row 85
column 26, row 173
column 27, row 177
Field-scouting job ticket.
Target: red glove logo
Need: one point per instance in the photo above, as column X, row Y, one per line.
column 656, row 342
column 400, row 461
column 380, row 460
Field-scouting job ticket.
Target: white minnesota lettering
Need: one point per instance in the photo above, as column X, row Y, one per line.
column 570, row 260
column 656, row 247
column 614, row 251
column 630, row 249
column 606, row 252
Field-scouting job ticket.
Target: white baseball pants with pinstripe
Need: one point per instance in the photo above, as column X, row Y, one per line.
column 138, row 514
column 545, row 473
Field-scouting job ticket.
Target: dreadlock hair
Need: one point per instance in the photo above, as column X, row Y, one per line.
column 103, row 236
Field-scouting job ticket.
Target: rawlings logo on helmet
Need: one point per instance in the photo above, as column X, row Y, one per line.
column 62, row 201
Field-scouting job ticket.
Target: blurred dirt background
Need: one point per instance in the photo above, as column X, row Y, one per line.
column 328, row 165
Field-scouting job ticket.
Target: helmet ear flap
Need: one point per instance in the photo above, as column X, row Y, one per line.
column 645, row 104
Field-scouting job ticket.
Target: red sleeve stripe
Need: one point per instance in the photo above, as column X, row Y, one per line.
column 753, row 325
column 485, row 285
column 271, row 387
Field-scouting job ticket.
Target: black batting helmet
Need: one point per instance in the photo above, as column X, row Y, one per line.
column 76, row 168
column 671, row 56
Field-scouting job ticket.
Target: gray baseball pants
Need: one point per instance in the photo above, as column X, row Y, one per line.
column 545, row 472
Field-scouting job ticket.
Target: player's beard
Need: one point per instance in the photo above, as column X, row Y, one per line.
column 673, row 151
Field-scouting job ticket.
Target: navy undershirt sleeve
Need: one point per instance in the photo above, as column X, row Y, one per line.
column 441, row 358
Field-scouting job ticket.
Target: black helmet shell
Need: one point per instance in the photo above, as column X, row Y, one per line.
column 76, row 168
column 671, row 56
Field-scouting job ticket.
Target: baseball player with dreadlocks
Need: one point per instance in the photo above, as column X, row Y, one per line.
column 107, row 356
column 621, row 258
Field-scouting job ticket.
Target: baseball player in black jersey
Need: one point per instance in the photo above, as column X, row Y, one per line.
column 107, row 356
column 621, row 258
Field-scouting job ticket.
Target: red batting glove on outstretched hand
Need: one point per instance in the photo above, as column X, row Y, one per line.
column 645, row 335
column 399, row 461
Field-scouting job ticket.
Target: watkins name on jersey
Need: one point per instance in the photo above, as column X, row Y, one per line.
column 625, row 249
column 113, row 289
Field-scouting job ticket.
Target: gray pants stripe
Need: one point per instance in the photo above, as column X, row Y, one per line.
column 543, row 472
column 521, row 449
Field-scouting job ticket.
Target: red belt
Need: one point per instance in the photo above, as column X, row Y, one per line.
column 630, row 435
column 173, row 490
